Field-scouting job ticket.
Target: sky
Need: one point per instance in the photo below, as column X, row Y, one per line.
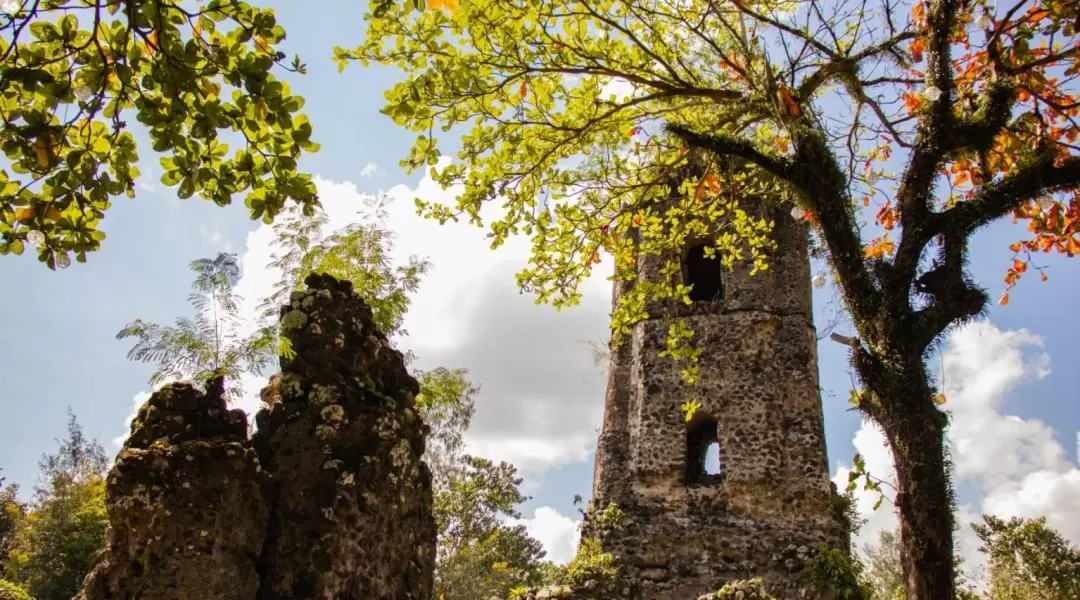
column 1009, row 378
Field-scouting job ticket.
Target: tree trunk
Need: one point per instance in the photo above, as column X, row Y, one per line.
column 924, row 500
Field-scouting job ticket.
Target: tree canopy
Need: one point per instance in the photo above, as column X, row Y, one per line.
column 57, row 538
column 893, row 129
column 195, row 78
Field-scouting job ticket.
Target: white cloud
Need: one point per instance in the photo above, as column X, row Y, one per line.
column 559, row 534
column 540, row 400
column 618, row 87
column 369, row 170
column 1015, row 465
column 136, row 402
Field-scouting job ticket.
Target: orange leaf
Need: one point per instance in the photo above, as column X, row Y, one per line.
column 1015, row 247
column 785, row 97
column 912, row 101
column 24, row 213
column 523, row 90
column 52, row 213
column 1044, row 276
column 637, row 220
column 1020, row 266
column 917, row 47
column 1004, row 300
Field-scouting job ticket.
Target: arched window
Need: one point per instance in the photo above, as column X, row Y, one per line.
column 704, row 460
column 702, row 274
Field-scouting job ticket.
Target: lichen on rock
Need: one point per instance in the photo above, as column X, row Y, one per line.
column 328, row 499
column 186, row 512
column 352, row 517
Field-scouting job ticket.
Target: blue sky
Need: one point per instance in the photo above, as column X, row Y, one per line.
column 60, row 327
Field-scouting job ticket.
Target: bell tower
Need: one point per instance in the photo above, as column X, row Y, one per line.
column 742, row 489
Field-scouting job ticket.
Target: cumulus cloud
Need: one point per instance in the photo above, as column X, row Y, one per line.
column 1014, row 466
column 540, row 400
column 136, row 401
column 559, row 534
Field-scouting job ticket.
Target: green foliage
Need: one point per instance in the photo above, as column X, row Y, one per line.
column 12, row 512
column 446, row 405
column 57, row 542
column 572, row 164
column 884, row 572
column 359, row 252
column 870, row 483
column 76, row 460
column 831, row 570
column 213, row 344
column 194, row 75
column 478, row 554
column 591, row 563
column 845, row 513
column 10, row 591
column 1028, row 560
column 752, row 589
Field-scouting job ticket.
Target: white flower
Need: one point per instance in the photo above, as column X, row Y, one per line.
column 984, row 21
column 34, row 237
column 83, row 93
column 11, row 7
column 798, row 213
column 819, row 281
column 932, row 93
column 63, row 261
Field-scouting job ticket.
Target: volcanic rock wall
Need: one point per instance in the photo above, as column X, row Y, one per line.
column 328, row 499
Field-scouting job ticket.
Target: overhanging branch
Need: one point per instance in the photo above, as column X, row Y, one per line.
column 731, row 146
column 995, row 200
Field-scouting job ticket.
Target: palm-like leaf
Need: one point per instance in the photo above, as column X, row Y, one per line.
column 359, row 253
column 209, row 344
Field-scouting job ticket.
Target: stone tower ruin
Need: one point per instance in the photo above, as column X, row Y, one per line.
column 688, row 529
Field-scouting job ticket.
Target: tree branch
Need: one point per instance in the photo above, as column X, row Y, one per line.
column 732, row 146
column 995, row 200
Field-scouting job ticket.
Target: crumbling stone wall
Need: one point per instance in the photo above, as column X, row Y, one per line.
column 770, row 505
column 328, row 499
column 352, row 517
column 186, row 508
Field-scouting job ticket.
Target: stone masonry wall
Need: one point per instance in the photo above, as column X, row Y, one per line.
column 185, row 501
column 328, row 499
column 352, row 518
column 771, row 503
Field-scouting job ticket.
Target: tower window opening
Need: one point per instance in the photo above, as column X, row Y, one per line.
column 704, row 461
column 712, row 459
column 702, row 274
